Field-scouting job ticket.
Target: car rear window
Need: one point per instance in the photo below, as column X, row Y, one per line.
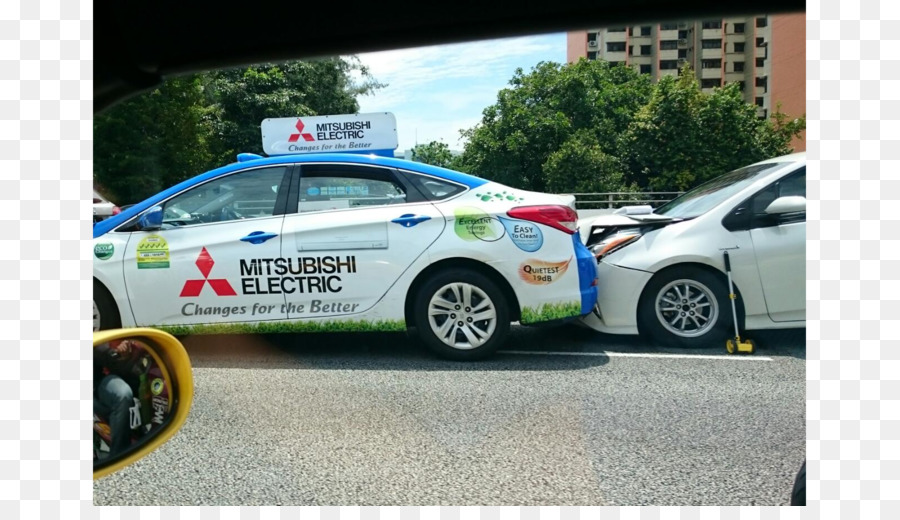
column 434, row 188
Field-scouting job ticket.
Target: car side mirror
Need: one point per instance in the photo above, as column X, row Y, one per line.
column 152, row 219
column 781, row 205
column 143, row 389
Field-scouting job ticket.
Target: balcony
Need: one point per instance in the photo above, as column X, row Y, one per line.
column 667, row 55
column 667, row 35
column 710, row 33
column 668, row 72
column 710, row 54
column 614, row 56
column 615, row 36
column 710, row 73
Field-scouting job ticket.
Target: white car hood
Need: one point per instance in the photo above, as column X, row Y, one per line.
column 615, row 220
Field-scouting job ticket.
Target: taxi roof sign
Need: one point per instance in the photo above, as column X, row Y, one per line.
column 366, row 133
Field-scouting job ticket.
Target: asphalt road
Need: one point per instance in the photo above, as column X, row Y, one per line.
column 374, row 420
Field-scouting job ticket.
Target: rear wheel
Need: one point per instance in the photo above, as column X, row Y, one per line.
column 106, row 312
column 798, row 494
column 461, row 315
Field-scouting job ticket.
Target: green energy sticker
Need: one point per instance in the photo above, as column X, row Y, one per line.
column 153, row 253
column 104, row 251
column 474, row 224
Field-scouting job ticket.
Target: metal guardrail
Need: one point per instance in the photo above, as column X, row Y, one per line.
column 613, row 199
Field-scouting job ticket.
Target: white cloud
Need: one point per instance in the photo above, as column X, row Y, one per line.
column 445, row 131
column 436, row 91
column 406, row 67
column 415, row 128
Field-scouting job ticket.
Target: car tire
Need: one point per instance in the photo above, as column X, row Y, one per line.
column 798, row 494
column 106, row 312
column 669, row 321
column 442, row 300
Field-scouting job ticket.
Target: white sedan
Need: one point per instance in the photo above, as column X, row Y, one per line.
column 343, row 242
column 662, row 273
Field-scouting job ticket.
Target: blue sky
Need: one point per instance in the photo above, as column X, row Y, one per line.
column 436, row 91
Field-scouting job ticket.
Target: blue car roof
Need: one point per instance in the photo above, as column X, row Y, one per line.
column 107, row 225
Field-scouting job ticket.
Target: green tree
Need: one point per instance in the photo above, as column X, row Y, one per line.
column 588, row 125
column 153, row 141
column 246, row 96
column 435, row 153
column 544, row 109
column 193, row 123
column 683, row 137
column 581, row 166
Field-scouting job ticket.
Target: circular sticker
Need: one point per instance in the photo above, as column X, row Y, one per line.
column 156, row 386
column 527, row 236
column 474, row 224
column 104, row 251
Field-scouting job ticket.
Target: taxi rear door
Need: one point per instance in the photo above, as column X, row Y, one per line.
column 355, row 231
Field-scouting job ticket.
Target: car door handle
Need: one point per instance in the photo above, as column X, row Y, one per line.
column 410, row 220
column 258, row 237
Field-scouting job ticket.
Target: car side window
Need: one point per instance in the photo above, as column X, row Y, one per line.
column 752, row 212
column 336, row 187
column 249, row 194
column 793, row 185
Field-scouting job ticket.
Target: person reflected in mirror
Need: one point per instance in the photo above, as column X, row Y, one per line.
column 120, row 369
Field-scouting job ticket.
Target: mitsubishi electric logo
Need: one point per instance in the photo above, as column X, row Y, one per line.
column 296, row 137
column 219, row 285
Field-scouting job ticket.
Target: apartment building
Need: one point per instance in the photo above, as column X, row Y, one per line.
column 720, row 51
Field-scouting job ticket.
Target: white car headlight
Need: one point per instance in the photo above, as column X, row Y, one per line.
column 615, row 242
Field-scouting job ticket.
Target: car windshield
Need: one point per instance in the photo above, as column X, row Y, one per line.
column 712, row 193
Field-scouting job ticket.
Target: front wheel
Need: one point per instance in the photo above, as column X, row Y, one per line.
column 461, row 315
column 686, row 307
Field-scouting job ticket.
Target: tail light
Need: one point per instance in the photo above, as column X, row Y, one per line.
column 562, row 218
column 116, row 210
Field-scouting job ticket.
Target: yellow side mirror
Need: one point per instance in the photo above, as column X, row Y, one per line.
column 143, row 389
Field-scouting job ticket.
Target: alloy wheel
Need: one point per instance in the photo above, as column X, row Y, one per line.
column 687, row 308
column 462, row 316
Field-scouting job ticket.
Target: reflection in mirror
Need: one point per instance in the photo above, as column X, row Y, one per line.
column 131, row 397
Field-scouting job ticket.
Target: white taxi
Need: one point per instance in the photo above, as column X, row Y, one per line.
column 343, row 242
